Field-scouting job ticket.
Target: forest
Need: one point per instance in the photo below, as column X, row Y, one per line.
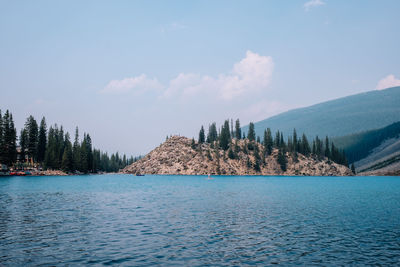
column 40, row 147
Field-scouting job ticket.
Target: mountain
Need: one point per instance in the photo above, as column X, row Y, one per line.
column 343, row 116
column 177, row 155
column 374, row 150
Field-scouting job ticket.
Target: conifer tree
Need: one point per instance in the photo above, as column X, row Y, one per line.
column 193, row 144
column 8, row 153
column 268, row 141
column 238, row 131
column 42, row 140
column 295, row 146
column 305, row 146
column 32, row 129
column 251, row 135
column 23, row 143
column 232, row 133
column 257, row 158
column 353, row 169
column 225, row 136
column 201, row 135
column 278, row 139
column 67, row 159
column 212, row 133
column 76, row 154
column 282, row 161
column 327, row 151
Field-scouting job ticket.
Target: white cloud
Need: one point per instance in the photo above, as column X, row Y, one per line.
column 139, row 84
column 251, row 74
column 313, row 3
column 387, row 82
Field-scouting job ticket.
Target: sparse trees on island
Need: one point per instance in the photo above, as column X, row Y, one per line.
column 227, row 139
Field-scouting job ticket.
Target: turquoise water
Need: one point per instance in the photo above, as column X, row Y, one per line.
column 188, row 220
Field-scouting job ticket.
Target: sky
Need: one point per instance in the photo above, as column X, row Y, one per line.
column 132, row 72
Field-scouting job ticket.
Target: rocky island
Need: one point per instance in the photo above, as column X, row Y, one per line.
column 180, row 155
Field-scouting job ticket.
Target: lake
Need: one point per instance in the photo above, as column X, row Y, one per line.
column 189, row 220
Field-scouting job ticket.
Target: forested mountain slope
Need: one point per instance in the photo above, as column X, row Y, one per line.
column 343, row 116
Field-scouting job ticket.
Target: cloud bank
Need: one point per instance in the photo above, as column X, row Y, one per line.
column 387, row 82
column 252, row 74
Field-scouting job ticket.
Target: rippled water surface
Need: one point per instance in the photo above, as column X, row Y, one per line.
column 191, row 221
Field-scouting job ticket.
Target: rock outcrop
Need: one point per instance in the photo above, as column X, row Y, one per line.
column 178, row 156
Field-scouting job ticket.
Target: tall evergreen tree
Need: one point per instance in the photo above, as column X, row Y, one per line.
column 251, row 135
column 212, row 133
column 42, row 141
column 278, row 139
column 225, row 136
column 305, row 146
column 201, row 135
column 76, row 153
column 268, row 141
column 327, row 151
column 238, row 130
column 295, row 146
column 282, row 161
column 232, row 133
column 353, row 169
column 23, row 143
column 32, row 129
column 67, row 159
column 8, row 152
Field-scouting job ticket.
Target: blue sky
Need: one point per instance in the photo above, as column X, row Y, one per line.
column 132, row 72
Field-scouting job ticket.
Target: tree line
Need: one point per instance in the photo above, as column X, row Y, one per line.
column 53, row 148
column 227, row 136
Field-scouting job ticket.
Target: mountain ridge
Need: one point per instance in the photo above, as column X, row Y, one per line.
column 338, row 117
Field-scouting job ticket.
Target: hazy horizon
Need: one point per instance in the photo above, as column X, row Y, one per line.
column 130, row 73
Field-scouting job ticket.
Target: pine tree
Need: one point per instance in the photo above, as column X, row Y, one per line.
column 257, row 158
column 278, row 139
column 225, row 136
column 201, row 135
column 193, row 144
column 89, row 151
column 251, row 135
column 23, row 143
column 268, row 141
column 84, row 156
column 305, row 146
column 42, row 141
column 8, row 152
column 32, row 129
column 238, row 131
column 327, row 151
column 232, row 133
column 76, row 154
column 67, row 160
column 282, row 161
column 295, row 146
column 212, row 133
column 353, row 169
